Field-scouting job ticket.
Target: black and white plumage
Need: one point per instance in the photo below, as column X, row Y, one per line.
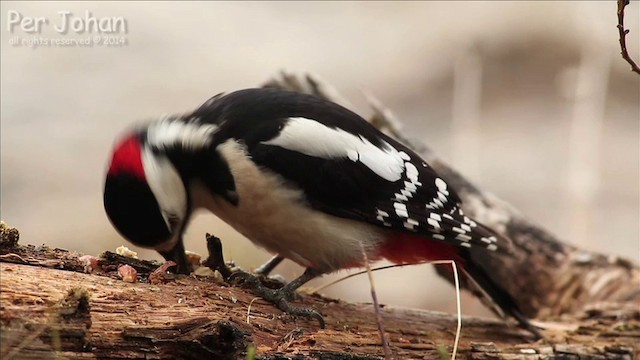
column 300, row 176
column 344, row 166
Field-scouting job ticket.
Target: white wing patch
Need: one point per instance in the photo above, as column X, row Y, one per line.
column 170, row 131
column 312, row 138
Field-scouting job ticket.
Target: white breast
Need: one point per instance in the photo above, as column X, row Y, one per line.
column 274, row 215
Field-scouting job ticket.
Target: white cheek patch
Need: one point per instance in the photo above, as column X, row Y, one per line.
column 166, row 185
column 312, row 138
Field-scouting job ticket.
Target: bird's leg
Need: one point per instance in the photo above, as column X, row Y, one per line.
column 266, row 268
column 177, row 255
column 282, row 296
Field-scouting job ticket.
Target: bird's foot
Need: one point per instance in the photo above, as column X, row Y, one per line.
column 279, row 297
column 270, row 289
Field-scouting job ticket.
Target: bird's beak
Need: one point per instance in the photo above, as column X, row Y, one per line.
column 232, row 197
column 177, row 255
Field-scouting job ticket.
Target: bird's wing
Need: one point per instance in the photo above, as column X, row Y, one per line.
column 369, row 177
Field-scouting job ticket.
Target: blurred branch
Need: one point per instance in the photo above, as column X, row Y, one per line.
column 623, row 36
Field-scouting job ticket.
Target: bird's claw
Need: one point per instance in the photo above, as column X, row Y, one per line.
column 284, row 305
column 278, row 297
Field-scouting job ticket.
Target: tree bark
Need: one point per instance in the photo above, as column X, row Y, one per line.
column 51, row 308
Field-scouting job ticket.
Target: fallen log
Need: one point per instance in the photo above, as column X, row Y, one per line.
column 52, row 308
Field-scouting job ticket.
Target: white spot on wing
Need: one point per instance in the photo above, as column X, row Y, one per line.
column 409, row 226
column 401, row 209
column 463, row 237
column 441, row 184
column 412, row 171
column 433, row 223
column 382, row 215
column 400, row 206
column 489, row 240
column 458, row 230
column 410, row 186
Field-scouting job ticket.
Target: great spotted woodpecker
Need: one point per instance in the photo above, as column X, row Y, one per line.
column 300, row 176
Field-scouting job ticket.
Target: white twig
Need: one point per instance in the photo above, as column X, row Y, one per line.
column 376, row 306
column 454, row 267
column 249, row 309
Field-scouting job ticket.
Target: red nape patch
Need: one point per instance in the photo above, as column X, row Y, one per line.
column 127, row 158
column 402, row 248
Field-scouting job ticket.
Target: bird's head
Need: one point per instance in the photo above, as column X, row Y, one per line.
column 147, row 186
column 144, row 194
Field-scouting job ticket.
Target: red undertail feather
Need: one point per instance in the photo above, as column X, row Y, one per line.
column 403, row 248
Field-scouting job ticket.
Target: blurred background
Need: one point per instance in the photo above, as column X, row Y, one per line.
column 530, row 100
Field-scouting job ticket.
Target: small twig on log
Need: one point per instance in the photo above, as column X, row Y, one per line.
column 623, row 36
column 215, row 261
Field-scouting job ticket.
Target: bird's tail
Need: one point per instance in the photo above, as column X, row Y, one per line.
column 408, row 248
column 492, row 295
